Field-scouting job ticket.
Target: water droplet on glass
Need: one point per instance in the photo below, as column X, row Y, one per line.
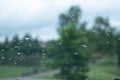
column 43, row 54
column 80, row 68
column 3, row 57
column 65, row 33
column 43, row 57
column 16, row 47
column 93, row 30
column 76, row 53
column 11, row 49
column 48, row 47
column 43, row 50
column 18, row 53
column 73, row 19
column 107, row 42
column 27, row 38
column 79, row 17
column 2, row 50
column 60, row 43
column 21, row 41
column 18, row 42
column 10, row 59
column 30, row 45
column 84, row 46
column 118, row 38
column 15, row 63
column 49, row 53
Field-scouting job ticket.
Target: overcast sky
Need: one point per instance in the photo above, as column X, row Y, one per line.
column 40, row 17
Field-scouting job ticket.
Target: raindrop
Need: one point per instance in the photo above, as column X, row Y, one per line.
column 43, row 54
column 84, row 46
column 28, row 51
column 80, row 68
column 21, row 41
column 30, row 45
column 65, row 33
column 107, row 42
column 2, row 50
column 93, row 30
column 49, row 53
column 67, row 62
column 76, row 53
column 3, row 57
column 15, row 63
column 27, row 38
column 20, row 59
column 18, row 53
column 60, row 43
column 10, row 59
column 18, row 42
column 73, row 19
column 41, row 61
column 118, row 38
column 107, row 34
column 11, row 49
column 48, row 47
column 43, row 50
column 79, row 17
column 43, row 57
column 16, row 47
column 71, row 15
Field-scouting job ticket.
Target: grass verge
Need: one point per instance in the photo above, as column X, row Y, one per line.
column 101, row 72
column 10, row 71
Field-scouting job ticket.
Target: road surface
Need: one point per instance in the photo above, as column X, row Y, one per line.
column 35, row 77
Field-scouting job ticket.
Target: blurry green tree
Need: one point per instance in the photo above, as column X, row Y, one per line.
column 71, row 51
column 117, row 46
column 103, row 36
column 25, row 52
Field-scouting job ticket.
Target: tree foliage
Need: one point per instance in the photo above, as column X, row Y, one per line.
column 104, row 35
column 71, row 51
column 20, row 51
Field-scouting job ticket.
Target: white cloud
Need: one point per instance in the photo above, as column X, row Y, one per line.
column 45, row 33
column 115, row 24
column 32, row 15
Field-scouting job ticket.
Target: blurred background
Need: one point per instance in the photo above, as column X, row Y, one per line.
column 63, row 39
